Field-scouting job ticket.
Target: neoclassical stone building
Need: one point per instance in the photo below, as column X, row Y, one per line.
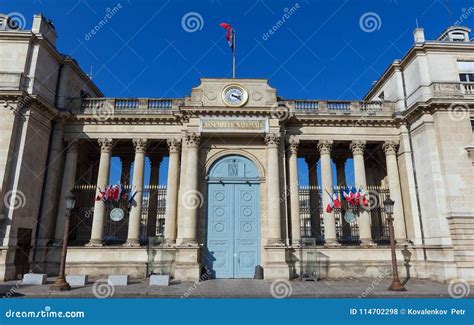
column 232, row 200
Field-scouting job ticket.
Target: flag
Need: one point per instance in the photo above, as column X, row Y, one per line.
column 330, row 207
column 230, row 35
column 335, row 200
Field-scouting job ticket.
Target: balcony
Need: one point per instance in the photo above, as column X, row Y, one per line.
column 341, row 107
column 13, row 81
column 111, row 106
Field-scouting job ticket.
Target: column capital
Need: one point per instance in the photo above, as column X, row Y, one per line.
column 272, row 139
column 193, row 139
column 390, row 147
column 358, row 147
column 325, row 147
column 140, row 144
column 105, row 144
column 293, row 143
column 174, row 144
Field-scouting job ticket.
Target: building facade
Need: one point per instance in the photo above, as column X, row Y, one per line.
column 233, row 203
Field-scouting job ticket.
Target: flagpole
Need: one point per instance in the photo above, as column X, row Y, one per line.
column 233, row 54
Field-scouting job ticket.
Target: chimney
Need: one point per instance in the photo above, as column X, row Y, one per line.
column 419, row 35
column 44, row 27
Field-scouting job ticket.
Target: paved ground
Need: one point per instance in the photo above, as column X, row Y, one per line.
column 237, row 288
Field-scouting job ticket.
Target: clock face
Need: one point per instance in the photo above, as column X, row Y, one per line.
column 234, row 95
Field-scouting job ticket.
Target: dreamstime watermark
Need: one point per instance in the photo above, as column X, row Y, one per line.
column 109, row 14
column 458, row 111
column 16, row 20
column 102, row 289
column 14, row 199
column 458, row 289
column 14, row 289
column 287, row 13
column 281, row 112
column 197, row 283
column 466, row 12
column 192, row 199
column 373, row 200
column 103, row 112
column 192, row 22
column 281, row 289
column 370, row 22
column 370, row 289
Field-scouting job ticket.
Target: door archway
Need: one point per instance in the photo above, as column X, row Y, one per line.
column 233, row 218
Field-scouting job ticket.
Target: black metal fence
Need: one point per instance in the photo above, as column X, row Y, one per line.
column 347, row 231
column 115, row 232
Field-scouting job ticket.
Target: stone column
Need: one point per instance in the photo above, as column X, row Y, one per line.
column 52, row 186
column 155, row 162
column 102, row 181
column 340, row 163
column 294, row 191
column 133, row 238
column 69, row 178
column 315, row 217
column 272, row 141
column 172, row 190
column 125, row 172
column 325, row 147
column 365, row 233
column 191, row 197
column 391, row 149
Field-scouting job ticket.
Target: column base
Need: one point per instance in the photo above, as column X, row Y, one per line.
column 131, row 243
column 367, row 243
column 188, row 243
column 95, row 243
column 275, row 242
column 332, row 243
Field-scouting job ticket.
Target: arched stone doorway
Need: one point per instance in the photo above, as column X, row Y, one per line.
column 233, row 218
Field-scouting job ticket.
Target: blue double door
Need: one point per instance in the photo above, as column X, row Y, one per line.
column 233, row 241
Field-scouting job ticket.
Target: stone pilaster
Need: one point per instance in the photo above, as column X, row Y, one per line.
column 365, row 233
column 97, row 231
column 52, row 186
column 315, row 218
column 174, row 146
column 325, row 147
column 133, row 238
column 155, row 162
column 294, row 190
column 391, row 149
column 67, row 185
column 272, row 141
column 192, row 199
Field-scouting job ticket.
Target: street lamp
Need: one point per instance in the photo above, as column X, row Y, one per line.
column 61, row 284
column 396, row 284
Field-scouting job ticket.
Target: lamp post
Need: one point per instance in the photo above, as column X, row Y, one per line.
column 61, row 284
column 396, row 284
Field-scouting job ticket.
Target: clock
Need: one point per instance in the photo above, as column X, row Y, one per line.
column 234, row 95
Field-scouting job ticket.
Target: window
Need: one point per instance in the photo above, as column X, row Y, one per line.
column 466, row 71
column 458, row 37
column 472, row 124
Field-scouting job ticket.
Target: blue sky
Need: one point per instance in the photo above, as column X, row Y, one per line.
column 321, row 51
